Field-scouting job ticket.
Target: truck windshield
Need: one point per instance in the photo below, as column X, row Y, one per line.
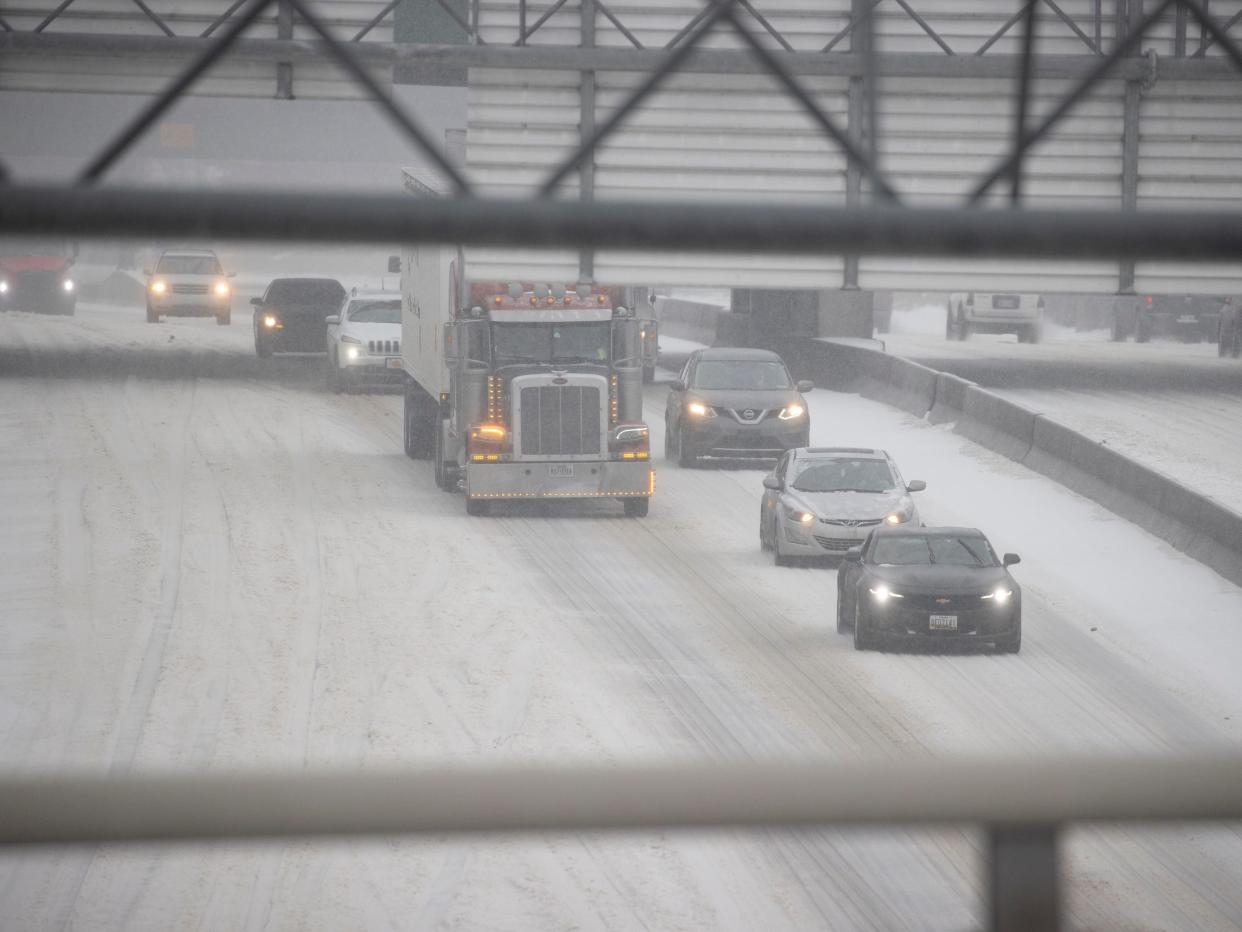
column 37, row 247
column 551, row 343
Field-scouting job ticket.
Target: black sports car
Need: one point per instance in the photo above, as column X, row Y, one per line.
column 929, row 584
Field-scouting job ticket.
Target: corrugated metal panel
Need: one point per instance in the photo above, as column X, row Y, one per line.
column 1190, row 157
column 228, row 78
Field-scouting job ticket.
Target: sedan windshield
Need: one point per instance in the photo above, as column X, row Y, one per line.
column 845, row 475
column 385, row 311
column 746, row 374
column 189, row 265
column 307, row 291
column 915, row 551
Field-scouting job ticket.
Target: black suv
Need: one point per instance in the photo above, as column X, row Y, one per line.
column 732, row 404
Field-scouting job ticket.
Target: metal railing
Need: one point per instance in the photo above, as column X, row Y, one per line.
column 1021, row 804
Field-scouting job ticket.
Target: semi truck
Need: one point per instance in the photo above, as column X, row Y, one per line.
column 35, row 275
column 522, row 390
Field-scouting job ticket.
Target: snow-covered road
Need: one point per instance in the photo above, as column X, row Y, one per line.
column 208, row 562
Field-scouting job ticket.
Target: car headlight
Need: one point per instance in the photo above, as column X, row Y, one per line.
column 269, row 320
column 159, row 287
column 796, row 514
column 897, row 517
column 790, row 412
column 698, row 409
column 882, row 593
column 222, row 289
column 67, row 284
column 999, row 596
column 348, row 339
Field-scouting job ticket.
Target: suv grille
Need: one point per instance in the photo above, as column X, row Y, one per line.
column 560, row 419
column 189, row 289
column 384, row 347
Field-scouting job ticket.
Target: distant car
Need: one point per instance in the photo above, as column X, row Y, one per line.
column 821, row 501
column 994, row 312
column 189, row 283
column 734, row 404
column 364, row 342
column 1184, row 317
column 929, row 584
column 291, row 316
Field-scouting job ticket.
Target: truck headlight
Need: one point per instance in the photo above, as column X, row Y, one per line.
column 67, row 284
column 4, row 287
column 352, row 352
column 698, row 409
column 790, row 412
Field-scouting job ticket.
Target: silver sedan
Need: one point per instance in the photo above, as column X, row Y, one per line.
column 821, row 501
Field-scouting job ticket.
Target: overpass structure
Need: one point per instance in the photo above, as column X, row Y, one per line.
column 1113, row 105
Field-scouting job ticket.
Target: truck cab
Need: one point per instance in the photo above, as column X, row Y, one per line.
column 525, row 390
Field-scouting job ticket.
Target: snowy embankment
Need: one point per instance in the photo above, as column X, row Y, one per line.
column 234, row 568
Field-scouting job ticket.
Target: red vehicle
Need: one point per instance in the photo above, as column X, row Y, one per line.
column 35, row 275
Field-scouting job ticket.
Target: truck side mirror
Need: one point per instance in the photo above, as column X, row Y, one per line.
column 450, row 345
column 394, row 264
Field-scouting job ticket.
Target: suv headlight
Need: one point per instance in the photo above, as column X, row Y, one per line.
column 698, row 409
column 790, row 412
column 222, row 289
column 159, row 286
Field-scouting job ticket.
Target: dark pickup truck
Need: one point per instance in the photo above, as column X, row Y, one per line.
column 290, row 317
column 1188, row 318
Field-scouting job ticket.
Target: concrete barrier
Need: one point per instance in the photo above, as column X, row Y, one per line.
column 1193, row 523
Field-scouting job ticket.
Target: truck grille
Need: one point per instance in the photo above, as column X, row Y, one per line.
column 189, row 289
column 384, row 347
column 560, row 419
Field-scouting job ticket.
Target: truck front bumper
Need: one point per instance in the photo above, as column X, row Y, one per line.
column 577, row 479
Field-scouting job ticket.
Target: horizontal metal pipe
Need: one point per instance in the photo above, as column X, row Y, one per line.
column 701, row 61
column 1012, row 792
column 631, row 225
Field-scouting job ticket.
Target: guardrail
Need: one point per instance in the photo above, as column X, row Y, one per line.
column 1022, row 804
column 1192, row 522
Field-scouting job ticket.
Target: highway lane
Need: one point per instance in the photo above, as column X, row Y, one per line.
column 219, row 570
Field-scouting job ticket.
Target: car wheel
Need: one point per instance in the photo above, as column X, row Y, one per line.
column 648, row 374
column 843, row 619
column 862, row 637
column 763, row 537
column 1012, row 644
column 963, row 330
column 684, row 459
column 948, row 322
column 477, row 507
column 262, row 348
column 668, row 442
column 636, row 507
column 779, row 558
column 153, row 316
column 334, row 375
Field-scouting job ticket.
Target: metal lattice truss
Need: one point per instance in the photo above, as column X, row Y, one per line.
column 763, row 49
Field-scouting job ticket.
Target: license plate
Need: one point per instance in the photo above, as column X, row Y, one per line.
column 393, row 362
column 561, row 471
column 942, row 622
